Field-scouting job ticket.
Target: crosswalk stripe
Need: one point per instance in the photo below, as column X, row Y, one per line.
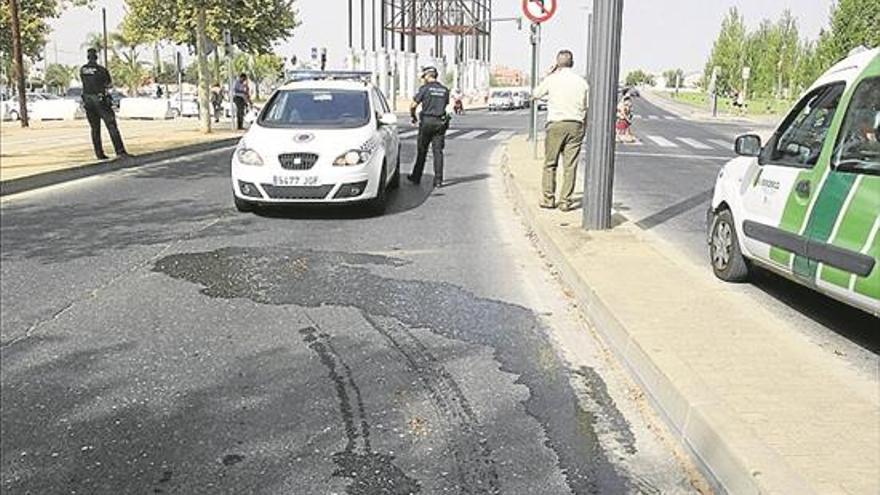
column 662, row 142
column 693, row 143
column 653, row 117
column 453, row 133
column 404, row 135
column 503, row 135
column 472, row 134
column 722, row 143
column 670, row 117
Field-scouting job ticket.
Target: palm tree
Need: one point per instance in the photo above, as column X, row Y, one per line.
column 59, row 76
column 93, row 40
column 126, row 65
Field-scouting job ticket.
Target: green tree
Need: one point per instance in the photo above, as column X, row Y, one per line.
column 93, row 40
column 126, row 67
column 672, row 76
column 853, row 23
column 59, row 76
column 254, row 26
column 34, row 18
column 639, row 77
column 728, row 52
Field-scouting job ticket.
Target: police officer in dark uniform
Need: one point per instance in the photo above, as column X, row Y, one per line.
column 98, row 105
column 433, row 123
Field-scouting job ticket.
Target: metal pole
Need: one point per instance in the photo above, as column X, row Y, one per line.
column 362, row 26
column 412, row 24
column 588, row 58
column 18, row 63
column 106, row 43
column 350, row 26
column 373, row 22
column 534, row 39
column 603, row 96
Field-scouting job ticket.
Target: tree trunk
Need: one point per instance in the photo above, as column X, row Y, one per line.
column 18, row 63
column 201, row 42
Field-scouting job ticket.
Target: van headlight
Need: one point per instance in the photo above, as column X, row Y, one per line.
column 248, row 156
column 352, row 157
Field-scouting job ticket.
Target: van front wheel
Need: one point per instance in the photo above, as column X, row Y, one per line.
column 728, row 262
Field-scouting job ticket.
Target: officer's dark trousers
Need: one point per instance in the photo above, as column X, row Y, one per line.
column 432, row 131
column 96, row 111
column 239, row 112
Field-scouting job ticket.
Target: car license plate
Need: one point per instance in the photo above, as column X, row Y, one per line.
column 294, row 180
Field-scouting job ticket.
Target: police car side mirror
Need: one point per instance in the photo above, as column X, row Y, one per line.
column 748, row 145
column 388, row 119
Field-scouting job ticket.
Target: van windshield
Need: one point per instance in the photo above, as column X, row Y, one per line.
column 317, row 108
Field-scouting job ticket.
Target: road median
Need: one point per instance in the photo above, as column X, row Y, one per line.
column 55, row 152
column 762, row 409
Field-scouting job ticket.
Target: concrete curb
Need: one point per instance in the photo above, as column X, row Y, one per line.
column 31, row 182
column 722, row 446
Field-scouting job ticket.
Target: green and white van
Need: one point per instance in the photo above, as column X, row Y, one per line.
column 806, row 203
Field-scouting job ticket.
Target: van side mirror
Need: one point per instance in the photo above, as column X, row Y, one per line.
column 748, row 145
column 388, row 119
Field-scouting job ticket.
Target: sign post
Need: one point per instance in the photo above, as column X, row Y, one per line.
column 537, row 11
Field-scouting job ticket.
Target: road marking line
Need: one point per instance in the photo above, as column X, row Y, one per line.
column 721, row 143
column 693, row 143
column 670, row 117
column 502, row 135
column 662, row 142
column 653, row 117
column 472, row 134
column 451, row 134
column 672, row 155
column 407, row 134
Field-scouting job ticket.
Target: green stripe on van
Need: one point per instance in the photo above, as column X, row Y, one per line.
column 829, row 205
column 792, row 220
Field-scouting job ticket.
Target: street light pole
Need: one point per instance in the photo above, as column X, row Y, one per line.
column 106, row 42
column 604, row 75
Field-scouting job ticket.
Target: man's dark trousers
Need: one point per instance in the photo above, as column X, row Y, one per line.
column 239, row 112
column 432, row 131
column 98, row 109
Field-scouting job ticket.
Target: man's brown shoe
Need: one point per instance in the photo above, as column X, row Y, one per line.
column 548, row 204
column 566, row 206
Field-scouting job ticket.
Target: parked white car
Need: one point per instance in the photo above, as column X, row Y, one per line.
column 190, row 107
column 331, row 138
column 501, row 100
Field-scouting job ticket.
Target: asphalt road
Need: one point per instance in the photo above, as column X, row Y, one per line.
column 156, row 341
column 664, row 184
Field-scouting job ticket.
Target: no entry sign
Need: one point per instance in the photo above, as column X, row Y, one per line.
column 539, row 11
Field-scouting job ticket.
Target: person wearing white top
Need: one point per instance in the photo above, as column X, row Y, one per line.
column 566, row 94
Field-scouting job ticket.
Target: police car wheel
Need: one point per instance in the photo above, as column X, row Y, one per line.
column 377, row 204
column 243, row 205
column 395, row 179
column 728, row 263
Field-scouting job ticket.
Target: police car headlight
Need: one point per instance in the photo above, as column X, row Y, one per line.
column 247, row 156
column 351, row 158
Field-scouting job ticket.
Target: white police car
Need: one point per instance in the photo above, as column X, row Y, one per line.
column 325, row 137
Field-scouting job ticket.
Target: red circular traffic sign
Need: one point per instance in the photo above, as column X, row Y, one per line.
column 539, row 11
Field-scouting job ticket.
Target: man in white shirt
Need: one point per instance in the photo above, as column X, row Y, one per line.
column 566, row 117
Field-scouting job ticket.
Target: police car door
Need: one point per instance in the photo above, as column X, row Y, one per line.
column 780, row 191
column 388, row 133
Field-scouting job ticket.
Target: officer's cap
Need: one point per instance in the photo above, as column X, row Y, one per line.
column 92, row 53
column 429, row 71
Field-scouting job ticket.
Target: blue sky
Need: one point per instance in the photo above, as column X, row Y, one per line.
column 657, row 34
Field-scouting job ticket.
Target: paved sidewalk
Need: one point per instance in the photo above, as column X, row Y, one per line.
column 759, row 406
column 58, row 145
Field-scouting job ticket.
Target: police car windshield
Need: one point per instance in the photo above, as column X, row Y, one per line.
column 317, row 108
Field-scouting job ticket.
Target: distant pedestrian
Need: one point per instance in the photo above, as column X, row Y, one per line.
column 566, row 94
column 624, row 121
column 241, row 97
column 433, row 123
column 217, row 101
column 158, row 91
column 99, row 105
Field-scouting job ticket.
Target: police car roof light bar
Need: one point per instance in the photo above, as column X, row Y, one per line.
column 335, row 75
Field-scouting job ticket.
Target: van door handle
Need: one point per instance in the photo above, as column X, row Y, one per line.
column 803, row 188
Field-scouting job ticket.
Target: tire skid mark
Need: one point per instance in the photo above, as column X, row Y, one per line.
column 470, row 448
column 371, row 472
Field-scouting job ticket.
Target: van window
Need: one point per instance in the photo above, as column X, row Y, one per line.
column 858, row 144
column 799, row 140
